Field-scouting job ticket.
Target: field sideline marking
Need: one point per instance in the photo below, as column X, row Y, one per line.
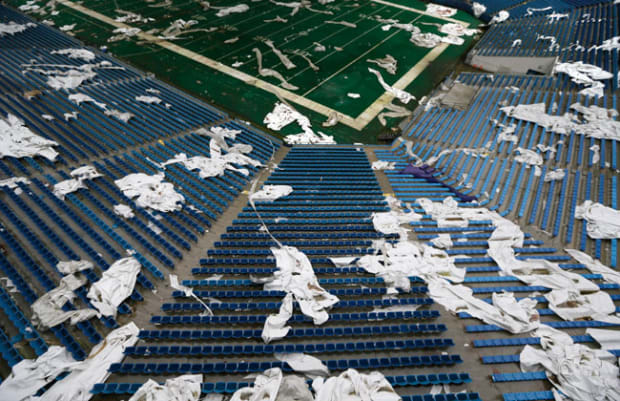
column 357, row 123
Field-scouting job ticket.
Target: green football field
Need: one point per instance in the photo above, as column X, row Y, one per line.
column 328, row 47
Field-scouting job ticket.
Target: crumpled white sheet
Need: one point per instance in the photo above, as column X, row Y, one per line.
column 182, row 388
column 603, row 222
column 47, row 310
column 73, row 266
column 283, row 115
column 239, row 8
column 440, row 11
column 555, row 175
column 188, row 292
column 507, row 134
column 443, row 241
column 585, row 74
column 302, row 363
column 296, row 276
column 275, row 326
column 17, row 140
column 456, row 30
column 80, row 175
column 29, row 375
column 11, row 28
column 571, row 305
column 446, row 213
column 79, row 98
column 352, row 385
column 268, row 72
column 12, row 182
column 388, row 63
column 78, row 384
column 123, row 116
column 476, row 152
column 148, row 99
column 123, row 34
column 529, row 157
column 579, row 372
column 82, row 54
column 595, row 266
column 151, row 192
column 383, row 165
column 505, row 312
column 271, row 193
column 71, row 79
column 478, row 9
column 390, row 222
column 124, row 211
column 115, row 285
column 400, row 94
column 607, row 339
column 265, row 388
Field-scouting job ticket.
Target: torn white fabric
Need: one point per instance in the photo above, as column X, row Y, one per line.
column 400, row 94
column 555, row 175
column 265, row 388
column 428, row 40
column 275, row 326
column 74, row 266
column 151, row 191
column 607, row 339
column 71, row 116
column 124, row 211
column 220, row 134
column 67, row 28
column 529, row 157
column 182, row 388
column 224, row 11
column 394, row 112
column 505, row 312
column 501, row 16
column 595, row 266
column 302, row 363
column 579, row 372
column 268, row 72
column 554, row 17
column 383, row 165
column 188, row 292
column 388, row 63
column 123, row 116
column 82, row 54
column 585, row 74
column 79, row 98
column 123, row 34
column 47, row 310
column 283, row 115
column 13, row 181
column 148, row 99
column 390, row 222
column 283, row 58
column 478, row 9
column 608, row 44
column 17, row 140
column 442, row 241
column 353, row 95
column 440, row 11
column 115, row 285
column 94, row 369
column 454, row 29
column 602, row 221
column 80, row 175
column 30, row 375
column 352, row 385
column 553, row 41
column 271, row 193
column 445, row 213
column 571, row 305
column 11, row 28
column 70, row 79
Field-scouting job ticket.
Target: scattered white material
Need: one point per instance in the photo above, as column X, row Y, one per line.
column 394, row 112
column 383, row 165
column 507, row 134
column 73, row 266
column 607, row 45
column 516, row 42
column 303, row 363
column 13, row 181
column 554, row 17
column 271, row 193
column 602, row 222
column 151, row 192
column 319, row 47
column 29, row 6
column 440, row 11
column 129, row 17
column 500, row 17
column 388, row 63
column 16, row 140
column 11, row 28
column 148, row 99
column 268, row 72
column 277, row 19
column 607, row 339
column 124, row 34
column 47, row 117
column 94, row 369
column 571, row 305
column 79, row 175
column 153, row 227
column 71, row 116
column 596, row 153
column 79, row 98
column 182, row 388
column 188, row 292
column 352, row 385
column 124, row 211
column 428, row 40
column 585, row 74
column 478, row 9
column 442, row 241
column 275, row 326
column 555, row 175
column 476, row 152
column 283, row 115
column 579, row 372
column 67, row 28
column 390, row 222
column 401, row 95
column 123, row 116
column 82, row 54
column 265, row 388
column 239, row 8
column 47, row 310
column 595, row 266
column 456, row 30
column 283, row 58
column 532, row 10
column 116, row 285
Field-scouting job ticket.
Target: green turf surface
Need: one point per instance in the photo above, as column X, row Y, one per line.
column 343, row 66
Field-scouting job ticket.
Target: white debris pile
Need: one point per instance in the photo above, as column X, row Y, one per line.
column 393, row 111
column 383, row 165
column 17, row 140
column 115, row 285
column 271, row 192
column 390, row 222
column 529, row 157
column 82, row 54
column 428, row 40
column 283, row 115
column 79, row 98
column 29, row 376
column 296, row 277
column 578, row 372
column 182, row 388
column 71, row 185
column 603, row 222
column 148, row 99
column 151, row 191
column 476, row 152
column 596, row 122
column 349, row 385
column 442, row 241
column 585, row 74
column 124, row 211
column 47, row 310
column 508, row 134
column 11, row 28
column 607, row 339
column 440, row 11
column 220, row 134
column 555, row 175
column 400, row 94
column 454, row 29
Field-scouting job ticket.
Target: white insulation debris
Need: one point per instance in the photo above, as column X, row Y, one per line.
column 283, row 115
column 11, row 28
column 116, row 285
column 79, row 98
column 271, row 192
column 151, row 192
column 17, row 140
column 603, row 222
column 182, row 388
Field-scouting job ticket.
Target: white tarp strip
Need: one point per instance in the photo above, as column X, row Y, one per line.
column 182, row 388
column 401, row 95
column 603, row 222
column 265, row 388
column 283, row 58
column 79, row 98
column 124, row 211
column 302, row 363
column 188, row 292
column 283, row 115
column 388, row 63
column 116, row 285
column 271, row 193
column 148, row 99
column 275, row 326
column 595, row 266
column 224, row 11
column 220, row 134
column 268, row 72
column 151, row 191
column 123, row 116
column 16, row 140
column 83, row 54
column 607, row 339
column 579, row 372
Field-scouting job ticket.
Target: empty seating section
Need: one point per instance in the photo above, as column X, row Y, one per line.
column 358, row 333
